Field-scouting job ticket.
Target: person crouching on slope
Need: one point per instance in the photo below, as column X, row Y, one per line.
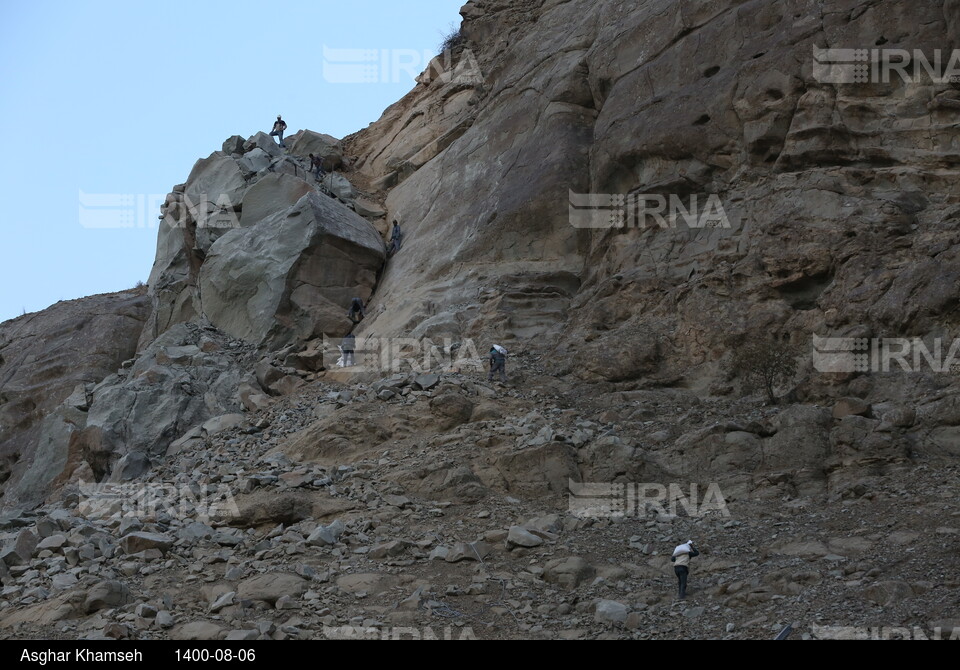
column 316, row 166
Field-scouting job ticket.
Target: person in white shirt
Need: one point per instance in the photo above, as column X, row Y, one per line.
column 681, row 560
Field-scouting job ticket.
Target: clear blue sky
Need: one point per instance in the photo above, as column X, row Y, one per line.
column 122, row 97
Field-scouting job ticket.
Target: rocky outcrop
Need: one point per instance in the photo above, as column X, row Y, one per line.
column 185, row 377
column 250, row 251
column 118, row 428
column 293, row 274
column 239, row 206
column 48, row 358
column 326, row 147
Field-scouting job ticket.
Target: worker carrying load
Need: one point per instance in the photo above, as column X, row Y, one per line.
column 498, row 363
column 681, row 560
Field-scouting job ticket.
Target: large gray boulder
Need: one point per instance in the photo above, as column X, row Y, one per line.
column 233, row 145
column 263, row 141
column 184, row 378
column 215, row 179
column 340, row 186
column 318, row 144
column 256, row 160
column 273, row 193
column 193, row 217
column 292, row 275
column 225, row 192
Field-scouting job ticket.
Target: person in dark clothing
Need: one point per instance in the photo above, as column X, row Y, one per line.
column 681, row 560
column 395, row 238
column 278, row 127
column 348, row 346
column 498, row 363
column 357, row 311
column 316, row 166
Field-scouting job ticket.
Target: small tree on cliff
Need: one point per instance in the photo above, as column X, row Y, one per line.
column 764, row 364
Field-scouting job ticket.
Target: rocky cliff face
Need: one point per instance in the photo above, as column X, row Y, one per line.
column 841, row 218
column 843, row 214
column 838, row 216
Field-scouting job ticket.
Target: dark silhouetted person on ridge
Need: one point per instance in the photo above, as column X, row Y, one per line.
column 278, row 127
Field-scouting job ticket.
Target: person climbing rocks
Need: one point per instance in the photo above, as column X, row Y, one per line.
column 681, row 560
column 347, row 347
column 278, row 127
column 316, row 165
column 498, row 363
column 395, row 238
column 357, row 311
